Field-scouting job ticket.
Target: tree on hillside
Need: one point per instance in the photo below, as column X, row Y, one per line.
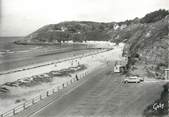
column 155, row 16
column 77, row 37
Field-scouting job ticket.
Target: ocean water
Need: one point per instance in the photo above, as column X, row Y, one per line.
column 13, row 56
column 6, row 44
column 9, row 51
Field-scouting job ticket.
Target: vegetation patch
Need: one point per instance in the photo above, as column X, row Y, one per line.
column 159, row 108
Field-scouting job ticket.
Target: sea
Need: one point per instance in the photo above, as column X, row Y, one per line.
column 7, row 44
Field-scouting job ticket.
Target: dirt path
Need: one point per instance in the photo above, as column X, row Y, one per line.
column 104, row 95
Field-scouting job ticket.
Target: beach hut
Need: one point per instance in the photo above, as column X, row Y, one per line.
column 118, row 68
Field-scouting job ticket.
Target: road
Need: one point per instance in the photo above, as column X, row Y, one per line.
column 104, row 94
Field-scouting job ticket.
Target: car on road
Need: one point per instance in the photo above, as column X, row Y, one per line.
column 133, row 79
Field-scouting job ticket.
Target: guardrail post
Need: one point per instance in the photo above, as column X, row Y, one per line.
column 63, row 85
column 47, row 93
column 77, row 77
column 14, row 111
column 53, row 90
column 24, row 106
column 40, row 97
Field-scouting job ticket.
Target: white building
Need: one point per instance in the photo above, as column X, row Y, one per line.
column 117, row 68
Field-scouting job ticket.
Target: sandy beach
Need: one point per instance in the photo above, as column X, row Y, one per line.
column 25, row 93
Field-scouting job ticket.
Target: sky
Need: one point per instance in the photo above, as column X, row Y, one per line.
column 22, row 17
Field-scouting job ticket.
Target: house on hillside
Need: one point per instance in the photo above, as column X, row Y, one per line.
column 116, row 26
column 118, row 68
column 123, row 26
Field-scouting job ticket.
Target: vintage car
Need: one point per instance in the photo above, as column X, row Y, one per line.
column 133, row 79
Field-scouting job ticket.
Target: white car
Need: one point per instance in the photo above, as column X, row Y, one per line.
column 133, row 79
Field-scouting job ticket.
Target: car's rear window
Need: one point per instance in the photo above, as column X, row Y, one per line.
column 133, row 78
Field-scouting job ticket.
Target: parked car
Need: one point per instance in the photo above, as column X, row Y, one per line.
column 133, row 79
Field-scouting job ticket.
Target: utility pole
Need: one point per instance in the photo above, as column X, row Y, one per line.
column 167, row 70
column 168, row 45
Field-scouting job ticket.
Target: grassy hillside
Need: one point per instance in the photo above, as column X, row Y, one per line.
column 65, row 31
column 147, row 44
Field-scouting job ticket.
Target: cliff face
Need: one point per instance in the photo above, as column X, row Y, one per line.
column 147, row 44
column 146, row 39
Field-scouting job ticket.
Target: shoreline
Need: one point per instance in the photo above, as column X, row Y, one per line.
column 71, row 53
column 11, row 59
column 46, row 64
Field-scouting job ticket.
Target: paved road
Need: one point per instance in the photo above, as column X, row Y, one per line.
column 104, row 95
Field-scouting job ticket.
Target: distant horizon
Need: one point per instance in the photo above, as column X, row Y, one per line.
column 10, row 36
column 22, row 17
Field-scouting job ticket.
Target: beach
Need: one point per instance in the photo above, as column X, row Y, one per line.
column 91, row 61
